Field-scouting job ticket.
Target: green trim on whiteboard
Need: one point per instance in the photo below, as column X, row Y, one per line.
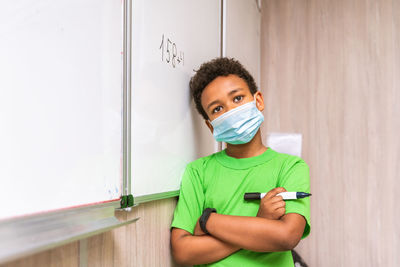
column 147, row 198
column 126, row 201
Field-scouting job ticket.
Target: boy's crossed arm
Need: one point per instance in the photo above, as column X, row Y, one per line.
column 190, row 249
column 271, row 230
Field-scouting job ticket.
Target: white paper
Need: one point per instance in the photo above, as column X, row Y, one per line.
column 288, row 143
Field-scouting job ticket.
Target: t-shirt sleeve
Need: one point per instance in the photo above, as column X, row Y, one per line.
column 191, row 201
column 296, row 178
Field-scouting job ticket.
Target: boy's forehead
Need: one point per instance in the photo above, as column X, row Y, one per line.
column 221, row 87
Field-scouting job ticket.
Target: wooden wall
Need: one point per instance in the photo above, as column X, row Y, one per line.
column 142, row 243
column 330, row 69
column 243, row 22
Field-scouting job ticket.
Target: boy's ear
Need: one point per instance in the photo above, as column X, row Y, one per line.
column 209, row 126
column 259, row 101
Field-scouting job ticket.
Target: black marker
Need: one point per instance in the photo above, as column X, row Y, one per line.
column 285, row 195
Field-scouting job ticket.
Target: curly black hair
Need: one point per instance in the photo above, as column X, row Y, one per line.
column 215, row 68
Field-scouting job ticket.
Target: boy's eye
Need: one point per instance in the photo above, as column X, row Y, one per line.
column 217, row 109
column 238, row 98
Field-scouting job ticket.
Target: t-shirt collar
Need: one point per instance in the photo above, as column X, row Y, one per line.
column 244, row 163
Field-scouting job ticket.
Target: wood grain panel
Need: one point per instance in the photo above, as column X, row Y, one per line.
column 331, row 71
column 143, row 243
column 152, row 234
column 64, row 256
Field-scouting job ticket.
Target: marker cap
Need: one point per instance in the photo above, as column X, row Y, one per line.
column 248, row 196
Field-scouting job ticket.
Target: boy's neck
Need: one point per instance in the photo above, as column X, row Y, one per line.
column 251, row 149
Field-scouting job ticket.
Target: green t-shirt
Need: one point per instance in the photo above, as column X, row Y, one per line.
column 219, row 181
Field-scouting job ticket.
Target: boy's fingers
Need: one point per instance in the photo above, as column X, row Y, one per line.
column 278, row 205
column 281, row 211
column 275, row 191
column 276, row 199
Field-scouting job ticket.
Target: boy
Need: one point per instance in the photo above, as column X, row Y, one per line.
column 213, row 224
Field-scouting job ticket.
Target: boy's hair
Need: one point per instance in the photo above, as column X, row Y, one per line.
column 215, row 68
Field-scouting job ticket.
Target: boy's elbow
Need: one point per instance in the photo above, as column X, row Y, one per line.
column 291, row 240
column 286, row 240
column 284, row 243
column 290, row 243
column 293, row 229
column 179, row 248
column 180, row 258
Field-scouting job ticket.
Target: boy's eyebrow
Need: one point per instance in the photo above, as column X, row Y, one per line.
column 230, row 93
column 212, row 103
column 235, row 91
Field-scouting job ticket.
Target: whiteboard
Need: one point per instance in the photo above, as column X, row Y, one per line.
column 170, row 39
column 60, row 104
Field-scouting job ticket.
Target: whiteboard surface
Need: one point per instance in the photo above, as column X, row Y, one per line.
column 167, row 132
column 60, row 104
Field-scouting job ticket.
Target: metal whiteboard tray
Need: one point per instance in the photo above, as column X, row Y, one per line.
column 20, row 237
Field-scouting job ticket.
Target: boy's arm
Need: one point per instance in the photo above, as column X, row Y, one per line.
column 190, row 249
column 233, row 233
column 263, row 233
column 200, row 248
column 271, row 230
column 258, row 234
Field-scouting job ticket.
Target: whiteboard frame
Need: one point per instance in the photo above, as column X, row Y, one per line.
column 126, row 120
column 157, row 196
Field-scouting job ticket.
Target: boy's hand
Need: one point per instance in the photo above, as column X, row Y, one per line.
column 197, row 229
column 272, row 206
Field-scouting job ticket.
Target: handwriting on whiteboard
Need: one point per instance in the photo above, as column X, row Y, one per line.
column 169, row 52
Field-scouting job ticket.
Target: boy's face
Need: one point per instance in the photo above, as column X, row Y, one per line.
column 225, row 93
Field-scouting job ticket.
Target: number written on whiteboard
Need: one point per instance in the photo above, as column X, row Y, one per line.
column 169, row 52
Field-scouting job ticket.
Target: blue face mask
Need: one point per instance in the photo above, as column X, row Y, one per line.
column 239, row 125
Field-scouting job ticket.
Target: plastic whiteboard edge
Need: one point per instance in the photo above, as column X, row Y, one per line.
column 127, row 90
column 258, row 4
column 156, row 196
column 26, row 236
